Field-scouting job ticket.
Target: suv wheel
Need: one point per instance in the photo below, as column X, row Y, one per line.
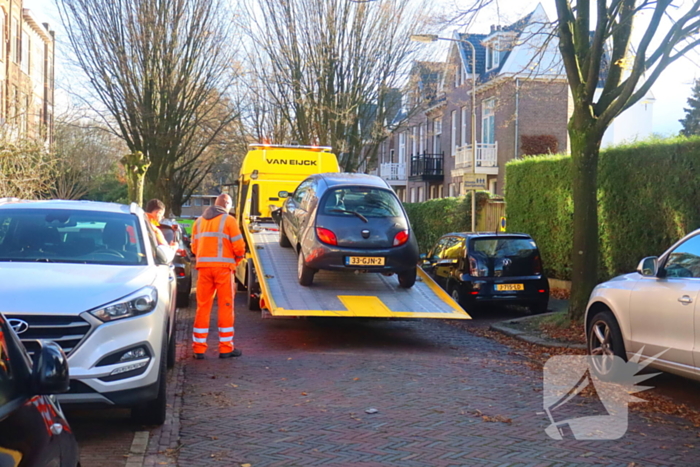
column 456, row 296
column 304, row 273
column 605, row 340
column 284, row 241
column 153, row 412
column 407, row 278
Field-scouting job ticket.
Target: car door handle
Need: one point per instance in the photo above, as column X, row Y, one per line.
column 685, row 300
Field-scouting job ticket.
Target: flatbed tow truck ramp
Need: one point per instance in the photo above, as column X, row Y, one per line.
column 338, row 294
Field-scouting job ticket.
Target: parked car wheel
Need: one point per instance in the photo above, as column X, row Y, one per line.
column 456, row 296
column 284, row 241
column 253, row 289
column 407, row 278
column 304, row 273
column 605, row 339
column 153, row 412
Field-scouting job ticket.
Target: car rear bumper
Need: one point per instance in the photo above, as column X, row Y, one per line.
column 396, row 259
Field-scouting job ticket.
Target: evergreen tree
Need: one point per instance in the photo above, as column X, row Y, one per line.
column 691, row 122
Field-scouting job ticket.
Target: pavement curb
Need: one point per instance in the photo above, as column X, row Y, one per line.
column 164, row 441
column 503, row 328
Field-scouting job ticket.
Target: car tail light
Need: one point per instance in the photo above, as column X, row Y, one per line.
column 181, row 252
column 326, row 236
column 401, row 238
column 180, row 272
column 474, row 269
column 537, row 266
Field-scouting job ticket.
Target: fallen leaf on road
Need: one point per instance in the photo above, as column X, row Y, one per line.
column 371, row 410
column 304, row 394
column 356, row 379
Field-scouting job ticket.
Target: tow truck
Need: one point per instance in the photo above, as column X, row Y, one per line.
column 268, row 273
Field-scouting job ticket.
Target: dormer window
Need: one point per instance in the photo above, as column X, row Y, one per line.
column 492, row 55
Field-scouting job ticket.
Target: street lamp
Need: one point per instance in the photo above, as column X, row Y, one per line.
column 433, row 38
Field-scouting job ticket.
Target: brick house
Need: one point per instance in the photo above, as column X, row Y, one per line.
column 26, row 74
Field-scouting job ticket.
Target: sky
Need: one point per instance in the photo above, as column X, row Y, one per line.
column 671, row 90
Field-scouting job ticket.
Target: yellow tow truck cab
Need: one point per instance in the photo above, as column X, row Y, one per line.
column 268, row 170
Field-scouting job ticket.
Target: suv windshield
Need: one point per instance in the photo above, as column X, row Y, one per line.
column 70, row 236
column 505, row 256
column 369, row 202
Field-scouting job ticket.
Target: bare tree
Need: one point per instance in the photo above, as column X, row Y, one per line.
column 328, row 66
column 161, row 69
column 596, row 45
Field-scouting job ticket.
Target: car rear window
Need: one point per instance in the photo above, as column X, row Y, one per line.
column 370, row 202
column 70, row 236
column 503, row 256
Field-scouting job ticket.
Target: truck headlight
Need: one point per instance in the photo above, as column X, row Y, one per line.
column 138, row 303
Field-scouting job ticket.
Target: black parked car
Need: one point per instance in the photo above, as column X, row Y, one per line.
column 348, row 222
column 33, row 430
column 489, row 268
column 172, row 231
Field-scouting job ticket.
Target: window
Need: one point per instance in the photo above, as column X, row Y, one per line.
column 413, row 195
column 492, row 186
column 422, row 138
column 198, row 201
column 432, row 192
column 14, row 41
column 441, row 191
column 453, row 135
column 488, row 122
column 454, row 248
column 684, row 261
column 451, row 190
column 437, row 250
column 370, row 202
column 437, row 133
column 464, row 125
column 391, row 155
column 3, row 35
column 26, row 49
column 421, row 194
column 402, row 146
column 68, row 236
column 186, row 204
column 414, row 141
column 301, row 192
column 206, row 202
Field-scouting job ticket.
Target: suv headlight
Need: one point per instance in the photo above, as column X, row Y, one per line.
column 138, row 303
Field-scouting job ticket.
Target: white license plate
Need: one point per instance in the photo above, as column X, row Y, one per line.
column 509, row 287
column 364, row 261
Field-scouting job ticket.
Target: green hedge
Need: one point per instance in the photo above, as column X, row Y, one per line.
column 436, row 217
column 649, row 197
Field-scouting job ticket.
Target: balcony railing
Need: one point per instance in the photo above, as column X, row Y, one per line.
column 393, row 171
column 427, row 167
column 486, row 156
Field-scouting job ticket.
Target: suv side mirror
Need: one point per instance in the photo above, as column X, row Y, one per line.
column 649, row 267
column 50, row 370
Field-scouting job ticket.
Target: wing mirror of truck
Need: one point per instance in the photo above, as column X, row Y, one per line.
column 283, row 194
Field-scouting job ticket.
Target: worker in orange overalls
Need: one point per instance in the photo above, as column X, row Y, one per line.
column 218, row 246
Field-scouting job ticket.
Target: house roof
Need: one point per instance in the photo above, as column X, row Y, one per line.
column 534, row 51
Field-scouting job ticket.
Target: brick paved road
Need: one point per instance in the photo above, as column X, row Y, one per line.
column 299, row 393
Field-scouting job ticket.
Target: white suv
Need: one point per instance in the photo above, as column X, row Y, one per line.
column 90, row 277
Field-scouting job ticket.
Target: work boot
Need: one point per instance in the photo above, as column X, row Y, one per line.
column 199, row 356
column 234, row 353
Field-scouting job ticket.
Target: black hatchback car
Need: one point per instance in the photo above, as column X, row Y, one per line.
column 489, row 268
column 182, row 262
column 348, row 222
column 33, row 430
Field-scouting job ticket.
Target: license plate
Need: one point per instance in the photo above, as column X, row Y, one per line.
column 364, row 261
column 509, row 287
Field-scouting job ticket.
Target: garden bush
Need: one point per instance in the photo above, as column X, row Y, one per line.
column 648, row 197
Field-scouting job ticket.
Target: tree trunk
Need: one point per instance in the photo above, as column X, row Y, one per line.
column 136, row 165
column 585, row 148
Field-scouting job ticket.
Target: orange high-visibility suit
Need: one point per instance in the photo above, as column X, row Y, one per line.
column 218, row 245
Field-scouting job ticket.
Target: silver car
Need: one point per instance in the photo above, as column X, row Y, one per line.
column 90, row 277
column 654, row 311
